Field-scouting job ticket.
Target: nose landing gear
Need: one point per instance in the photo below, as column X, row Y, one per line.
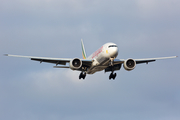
column 82, row 75
column 113, row 76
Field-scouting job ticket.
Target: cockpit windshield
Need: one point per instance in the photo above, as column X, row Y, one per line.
column 112, row 46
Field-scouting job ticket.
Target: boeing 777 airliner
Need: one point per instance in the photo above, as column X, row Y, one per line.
column 102, row 59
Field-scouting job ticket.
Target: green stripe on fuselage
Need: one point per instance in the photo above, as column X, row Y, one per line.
column 83, row 50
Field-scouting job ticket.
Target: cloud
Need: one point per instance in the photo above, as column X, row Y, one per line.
column 158, row 9
column 53, row 28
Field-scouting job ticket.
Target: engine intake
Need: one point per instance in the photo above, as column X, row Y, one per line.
column 75, row 64
column 129, row 64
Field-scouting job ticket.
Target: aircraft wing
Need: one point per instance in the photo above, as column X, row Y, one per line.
column 139, row 61
column 61, row 61
column 147, row 60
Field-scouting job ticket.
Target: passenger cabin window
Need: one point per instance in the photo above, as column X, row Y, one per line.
column 112, row 46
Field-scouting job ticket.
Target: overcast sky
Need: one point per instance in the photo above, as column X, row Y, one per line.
column 53, row 28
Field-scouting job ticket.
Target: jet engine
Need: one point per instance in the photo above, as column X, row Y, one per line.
column 75, row 64
column 129, row 64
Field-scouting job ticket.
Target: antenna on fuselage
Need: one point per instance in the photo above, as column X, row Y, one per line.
column 83, row 50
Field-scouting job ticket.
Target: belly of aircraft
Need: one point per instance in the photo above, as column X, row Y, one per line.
column 96, row 69
column 103, row 63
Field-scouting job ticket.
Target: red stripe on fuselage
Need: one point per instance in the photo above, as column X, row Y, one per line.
column 97, row 52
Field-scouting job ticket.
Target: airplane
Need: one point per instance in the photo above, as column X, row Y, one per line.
column 102, row 59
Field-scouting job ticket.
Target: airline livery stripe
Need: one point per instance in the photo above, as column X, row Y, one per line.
column 83, row 56
column 83, row 51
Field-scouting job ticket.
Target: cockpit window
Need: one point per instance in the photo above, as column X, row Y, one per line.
column 112, row 46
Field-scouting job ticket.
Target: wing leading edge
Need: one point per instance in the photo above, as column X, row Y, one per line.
column 61, row 61
column 146, row 60
column 139, row 61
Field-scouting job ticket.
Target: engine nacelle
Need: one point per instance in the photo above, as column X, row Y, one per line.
column 129, row 64
column 75, row 64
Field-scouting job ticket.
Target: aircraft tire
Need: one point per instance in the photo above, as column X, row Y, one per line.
column 114, row 76
column 80, row 76
column 110, row 76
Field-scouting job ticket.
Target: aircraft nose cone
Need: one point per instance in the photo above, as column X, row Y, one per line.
column 114, row 52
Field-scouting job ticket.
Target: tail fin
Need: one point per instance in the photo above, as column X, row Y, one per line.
column 83, row 50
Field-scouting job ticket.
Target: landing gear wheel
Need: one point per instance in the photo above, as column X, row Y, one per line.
column 82, row 75
column 110, row 76
column 113, row 76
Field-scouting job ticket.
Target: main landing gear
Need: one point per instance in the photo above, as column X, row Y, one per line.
column 82, row 75
column 113, row 76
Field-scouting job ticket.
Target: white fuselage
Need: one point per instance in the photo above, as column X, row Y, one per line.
column 102, row 57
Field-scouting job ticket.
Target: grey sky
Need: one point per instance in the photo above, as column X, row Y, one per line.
column 53, row 28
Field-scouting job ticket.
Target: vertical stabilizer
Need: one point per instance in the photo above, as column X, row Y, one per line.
column 83, row 50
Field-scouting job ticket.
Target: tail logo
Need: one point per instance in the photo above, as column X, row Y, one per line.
column 83, row 50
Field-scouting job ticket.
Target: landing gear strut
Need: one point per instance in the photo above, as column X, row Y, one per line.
column 113, row 76
column 82, row 75
column 111, row 65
